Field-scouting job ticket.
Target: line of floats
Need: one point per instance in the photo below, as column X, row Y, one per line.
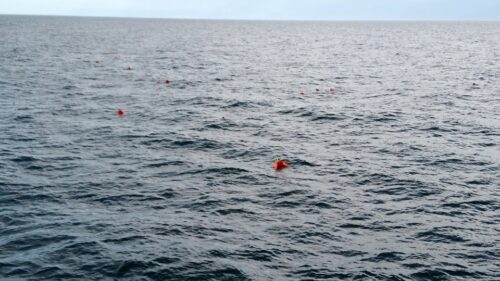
column 279, row 164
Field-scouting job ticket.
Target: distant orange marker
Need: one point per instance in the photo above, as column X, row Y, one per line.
column 120, row 112
column 280, row 165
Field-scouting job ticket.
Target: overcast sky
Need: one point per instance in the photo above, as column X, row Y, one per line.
column 264, row 9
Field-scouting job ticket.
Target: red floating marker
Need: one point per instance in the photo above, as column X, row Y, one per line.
column 332, row 90
column 301, row 93
column 97, row 61
column 317, row 90
column 280, row 165
column 120, row 112
column 167, row 81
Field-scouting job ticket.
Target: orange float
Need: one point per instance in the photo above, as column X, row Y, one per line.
column 280, row 164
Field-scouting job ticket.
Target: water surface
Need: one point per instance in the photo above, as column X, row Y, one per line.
column 393, row 176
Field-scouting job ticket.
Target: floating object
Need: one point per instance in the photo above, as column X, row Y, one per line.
column 167, row 81
column 301, row 93
column 280, row 164
column 332, row 90
column 97, row 61
column 317, row 90
column 120, row 112
column 129, row 68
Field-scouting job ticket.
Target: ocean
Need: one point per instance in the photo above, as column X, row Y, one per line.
column 391, row 131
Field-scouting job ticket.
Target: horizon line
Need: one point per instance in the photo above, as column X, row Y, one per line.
column 257, row 19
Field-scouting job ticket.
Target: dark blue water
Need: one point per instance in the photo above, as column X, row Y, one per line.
column 393, row 176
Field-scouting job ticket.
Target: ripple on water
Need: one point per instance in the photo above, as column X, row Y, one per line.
column 394, row 176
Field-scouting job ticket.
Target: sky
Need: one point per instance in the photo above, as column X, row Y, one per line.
column 264, row 9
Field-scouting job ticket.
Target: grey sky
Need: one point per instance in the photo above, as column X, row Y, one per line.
column 265, row 9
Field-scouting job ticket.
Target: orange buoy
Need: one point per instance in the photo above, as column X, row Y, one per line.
column 280, row 164
column 120, row 112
